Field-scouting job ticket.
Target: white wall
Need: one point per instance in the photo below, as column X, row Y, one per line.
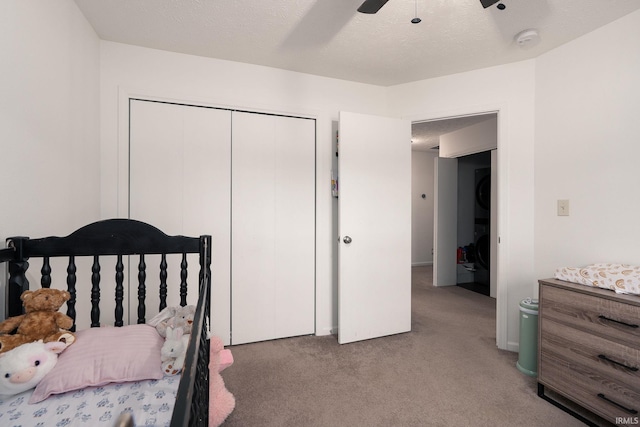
column 422, row 209
column 49, row 81
column 508, row 89
column 471, row 139
column 129, row 70
column 587, row 149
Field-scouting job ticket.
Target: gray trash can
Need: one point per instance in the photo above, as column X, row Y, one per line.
column 528, row 353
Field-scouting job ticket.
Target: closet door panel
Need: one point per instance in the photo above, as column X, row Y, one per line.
column 156, row 162
column 295, row 225
column 180, row 179
column 273, row 227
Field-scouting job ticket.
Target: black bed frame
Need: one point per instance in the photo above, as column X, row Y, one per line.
column 120, row 238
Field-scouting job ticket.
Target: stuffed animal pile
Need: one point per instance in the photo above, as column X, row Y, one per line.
column 40, row 335
column 41, row 321
column 174, row 324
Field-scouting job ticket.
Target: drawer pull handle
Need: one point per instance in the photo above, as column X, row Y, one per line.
column 617, row 321
column 603, row 397
column 631, row 368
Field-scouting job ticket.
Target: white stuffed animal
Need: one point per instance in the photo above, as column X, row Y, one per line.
column 176, row 317
column 174, row 351
column 23, row 367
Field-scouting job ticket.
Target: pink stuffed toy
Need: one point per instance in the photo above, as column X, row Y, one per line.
column 23, row 367
column 222, row 402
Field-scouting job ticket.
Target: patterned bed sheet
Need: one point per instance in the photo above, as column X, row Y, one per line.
column 150, row 402
column 621, row 278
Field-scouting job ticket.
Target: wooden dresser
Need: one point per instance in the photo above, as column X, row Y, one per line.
column 589, row 349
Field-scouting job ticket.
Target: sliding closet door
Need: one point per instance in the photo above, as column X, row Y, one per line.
column 273, row 227
column 180, row 182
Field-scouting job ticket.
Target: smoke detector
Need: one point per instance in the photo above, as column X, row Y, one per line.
column 527, row 37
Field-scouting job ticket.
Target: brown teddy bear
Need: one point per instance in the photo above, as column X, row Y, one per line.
column 41, row 321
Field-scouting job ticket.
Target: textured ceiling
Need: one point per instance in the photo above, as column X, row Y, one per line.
column 329, row 38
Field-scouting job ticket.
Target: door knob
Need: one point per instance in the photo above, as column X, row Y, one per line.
column 347, row 239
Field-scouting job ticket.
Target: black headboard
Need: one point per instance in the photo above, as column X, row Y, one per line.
column 115, row 237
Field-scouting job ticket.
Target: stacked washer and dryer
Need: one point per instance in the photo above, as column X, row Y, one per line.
column 482, row 214
column 474, row 222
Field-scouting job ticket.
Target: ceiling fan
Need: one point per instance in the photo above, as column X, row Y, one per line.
column 488, row 3
column 373, row 6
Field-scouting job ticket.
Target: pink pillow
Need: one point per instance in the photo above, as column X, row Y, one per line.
column 104, row 355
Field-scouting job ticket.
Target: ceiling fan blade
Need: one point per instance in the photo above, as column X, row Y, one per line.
column 372, row 6
column 488, row 3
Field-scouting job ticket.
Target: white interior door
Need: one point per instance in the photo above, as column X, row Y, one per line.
column 180, row 182
column 374, row 210
column 273, row 227
column 445, row 220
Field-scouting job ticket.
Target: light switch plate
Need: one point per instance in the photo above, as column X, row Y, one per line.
column 563, row 207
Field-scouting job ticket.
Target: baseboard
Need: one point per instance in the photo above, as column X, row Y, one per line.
column 327, row 331
column 513, row 346
column 421, row 264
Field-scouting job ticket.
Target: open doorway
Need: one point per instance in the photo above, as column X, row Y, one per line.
column 465, row 182
column 473, row 254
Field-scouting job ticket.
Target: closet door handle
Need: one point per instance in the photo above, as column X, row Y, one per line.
column 624, row 408
column 347, row 239
column 631, row 368
column 618, row 321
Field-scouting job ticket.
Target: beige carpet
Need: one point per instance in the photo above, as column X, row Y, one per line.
column 446, row 372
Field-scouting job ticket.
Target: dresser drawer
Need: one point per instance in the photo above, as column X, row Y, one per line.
column 603, row 317
column 601, row 358
column 588, row 387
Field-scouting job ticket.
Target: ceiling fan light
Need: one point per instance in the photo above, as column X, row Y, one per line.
column 416, row 20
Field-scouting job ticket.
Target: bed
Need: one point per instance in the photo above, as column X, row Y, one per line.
column 127, row 245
